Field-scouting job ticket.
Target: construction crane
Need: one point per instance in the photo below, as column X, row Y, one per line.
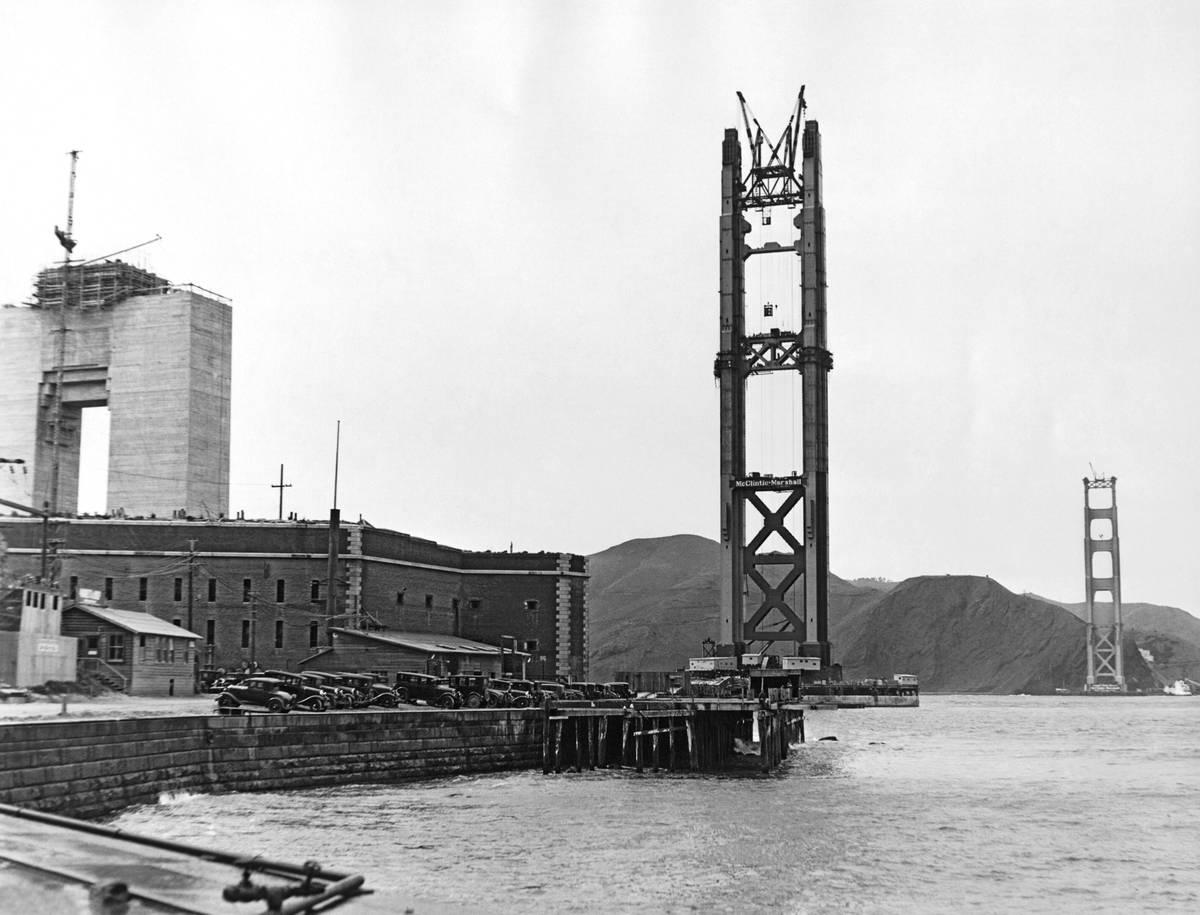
column 67, row 240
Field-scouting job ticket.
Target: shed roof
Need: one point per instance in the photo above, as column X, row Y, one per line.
column 430, row 642
column 136, row 621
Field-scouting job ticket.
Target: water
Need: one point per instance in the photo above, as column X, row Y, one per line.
column 1030, row 804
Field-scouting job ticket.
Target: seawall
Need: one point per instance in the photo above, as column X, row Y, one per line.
column 94, row 768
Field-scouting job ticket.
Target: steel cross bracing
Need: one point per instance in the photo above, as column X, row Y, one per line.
column 755, row 606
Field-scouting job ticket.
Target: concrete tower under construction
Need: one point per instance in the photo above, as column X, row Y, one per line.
column 1102, row 581
column 156, row 354
column 774, row 580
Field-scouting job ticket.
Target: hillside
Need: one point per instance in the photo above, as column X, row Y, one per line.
column 1171, row 635
column 653, row 601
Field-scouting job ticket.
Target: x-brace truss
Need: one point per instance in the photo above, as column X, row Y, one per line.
column 774, row 597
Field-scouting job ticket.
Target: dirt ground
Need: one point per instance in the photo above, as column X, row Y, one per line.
column 116, row 705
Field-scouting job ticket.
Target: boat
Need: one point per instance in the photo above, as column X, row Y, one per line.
column 1178, row 688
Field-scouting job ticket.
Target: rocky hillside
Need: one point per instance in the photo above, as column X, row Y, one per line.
column 1170, row 635
column 653, row 602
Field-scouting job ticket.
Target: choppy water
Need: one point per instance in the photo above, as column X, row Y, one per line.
column 1023, row 804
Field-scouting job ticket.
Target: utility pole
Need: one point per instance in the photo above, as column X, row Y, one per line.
column 253, row 630
column 191, row 581
column 281, row 486
column 44, row 514
column 335, row 523
column 191, row 609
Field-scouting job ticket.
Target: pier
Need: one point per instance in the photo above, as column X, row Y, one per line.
column 696, row 735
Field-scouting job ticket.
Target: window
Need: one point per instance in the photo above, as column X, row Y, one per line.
column 143, row 587
column 210, row 632
column 454, row 604
column 178, row 589
column 314, row 634
column 177, row 622
column 245, row 633
column 279, row 590
column 116, row 647
column 531, row 605
column 212, row 590
column 246, row 583
column 474, row 603
column 279, row 633
column 108, row 589
column 400, row 598
column 428, row 601
column 314, row 591
column 73, row 588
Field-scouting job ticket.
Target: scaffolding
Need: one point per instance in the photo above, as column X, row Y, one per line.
column 94, row 285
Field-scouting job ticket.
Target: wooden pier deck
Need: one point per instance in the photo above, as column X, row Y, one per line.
column 697, row 735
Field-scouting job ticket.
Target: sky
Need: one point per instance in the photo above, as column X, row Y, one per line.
column 483, row 237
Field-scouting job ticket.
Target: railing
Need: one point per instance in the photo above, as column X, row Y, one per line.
column 103, row 671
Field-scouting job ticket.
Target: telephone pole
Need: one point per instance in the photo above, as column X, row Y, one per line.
column 191, row 581
column 281, row 486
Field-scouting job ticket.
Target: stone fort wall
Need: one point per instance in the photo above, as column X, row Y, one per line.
column 95, row 768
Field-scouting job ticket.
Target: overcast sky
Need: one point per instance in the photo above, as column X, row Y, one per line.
column 484, row 237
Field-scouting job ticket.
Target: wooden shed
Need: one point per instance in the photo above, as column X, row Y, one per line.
column 133, row 652
column 388, row 652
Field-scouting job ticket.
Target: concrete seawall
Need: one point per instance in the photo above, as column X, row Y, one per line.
column 95, row 768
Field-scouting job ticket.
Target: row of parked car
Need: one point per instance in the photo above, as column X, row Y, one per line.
column 319, row 691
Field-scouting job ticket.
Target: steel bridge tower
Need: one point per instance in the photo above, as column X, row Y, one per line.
column 1102, row 579
column 774, row 575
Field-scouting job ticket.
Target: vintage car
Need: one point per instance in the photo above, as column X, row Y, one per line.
column 476, row 690
column 336, row 696
column 349, row 682
column 14, row 692
column 413, row 687
column 558, row 691
column 308, row 696
column 267, row 692
column 343, row 696
column 510, row 696
column 526, row 688
column 593, row 691
column 620, row 688
column 371, row 691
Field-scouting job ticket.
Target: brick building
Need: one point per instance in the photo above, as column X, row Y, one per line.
column 257, row 590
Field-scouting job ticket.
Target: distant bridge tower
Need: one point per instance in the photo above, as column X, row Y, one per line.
column 774, row 578
column 1102, row 578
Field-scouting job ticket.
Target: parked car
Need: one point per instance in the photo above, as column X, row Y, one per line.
column 476, row 690
column 412, row 687
column 621, row 689
column 511, row 697
column 307, row 696
column 267, row 692
column 14, row 692
column 225, row 680
column 593, row 691
column 345, row 691
column 559, row 691
column 338, row 696
column 524, row 688
column 373, row 692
